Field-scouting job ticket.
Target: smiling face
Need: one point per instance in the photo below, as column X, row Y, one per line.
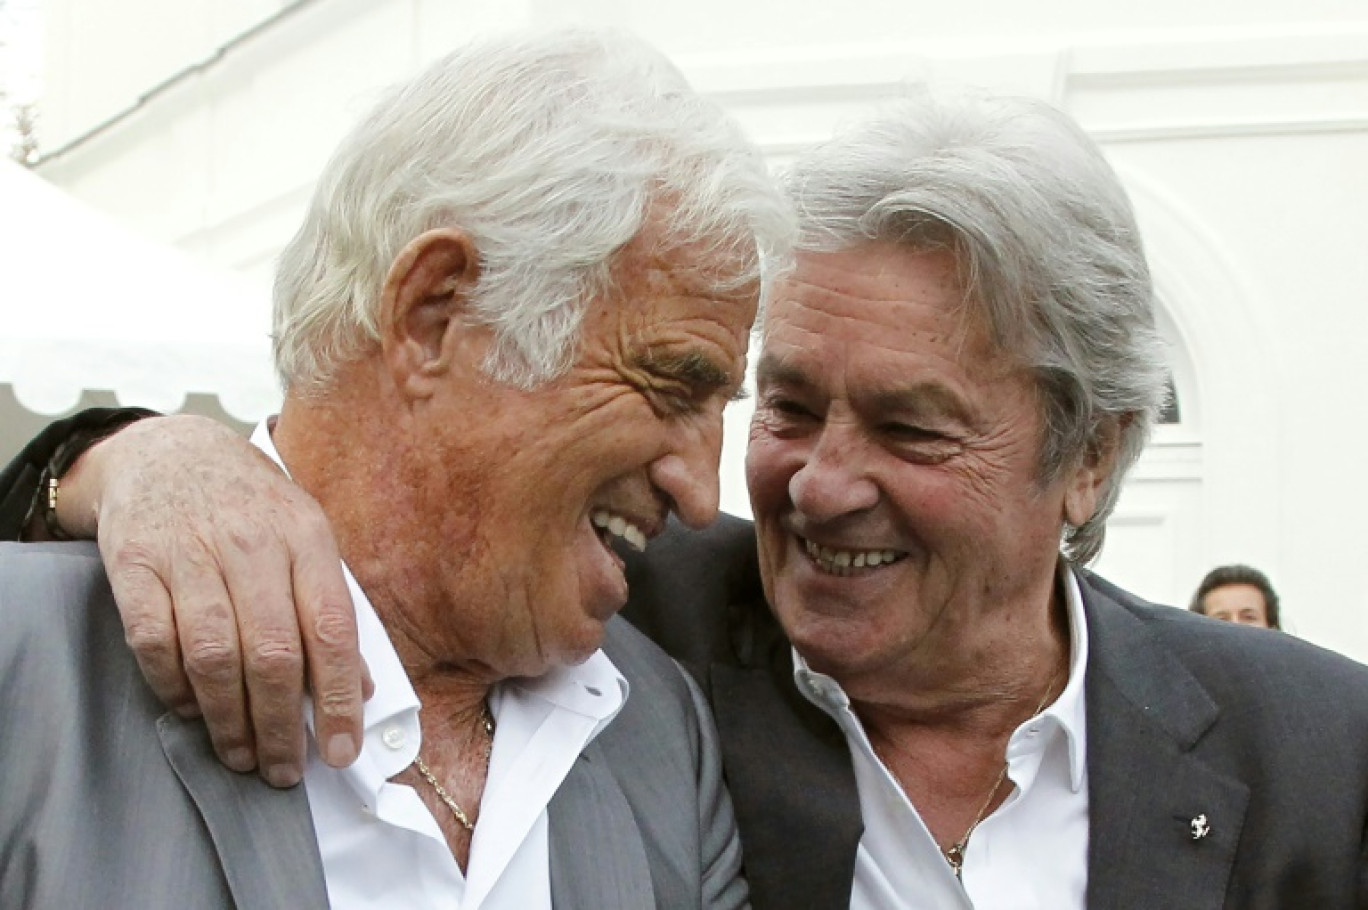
column 532, row 484
column 893, row 474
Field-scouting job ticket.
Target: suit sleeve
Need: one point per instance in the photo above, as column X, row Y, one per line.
column 19, row 480
column 723, row 886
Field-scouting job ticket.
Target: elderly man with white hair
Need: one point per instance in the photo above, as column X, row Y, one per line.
column 519, row 301
column 923, row 697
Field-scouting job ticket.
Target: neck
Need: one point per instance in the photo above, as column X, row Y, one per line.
column 452, row 701
column 977, row 693
column 964, row 723
column 942, row 733
column 360, row 456
column 951, row 762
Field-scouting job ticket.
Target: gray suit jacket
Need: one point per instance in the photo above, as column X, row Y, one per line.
column 107, row 801
column 1264, row 734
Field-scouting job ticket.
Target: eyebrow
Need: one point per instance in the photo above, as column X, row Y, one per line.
column 781, row 372
column 917, row 397
column 692, row 369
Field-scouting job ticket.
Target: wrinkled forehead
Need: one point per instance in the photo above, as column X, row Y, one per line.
column 871, row 302
column 986, row 302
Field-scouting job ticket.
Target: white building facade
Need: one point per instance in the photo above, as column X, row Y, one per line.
column 1240, row 130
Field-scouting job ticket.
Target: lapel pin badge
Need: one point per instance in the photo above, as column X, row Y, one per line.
column 1199, row 827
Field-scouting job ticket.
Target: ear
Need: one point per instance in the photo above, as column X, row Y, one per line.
column 1085, row 483
column 424, row 297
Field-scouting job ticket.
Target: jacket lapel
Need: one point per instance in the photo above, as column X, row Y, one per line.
column 788, row 767
column 1161, row 822
column 598, row 858
column 264, row 838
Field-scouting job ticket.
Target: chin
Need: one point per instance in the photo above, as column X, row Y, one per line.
column 581, row 647
column 826, row 640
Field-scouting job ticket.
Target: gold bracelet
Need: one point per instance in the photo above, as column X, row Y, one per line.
column 49, row 493
column 54, row 490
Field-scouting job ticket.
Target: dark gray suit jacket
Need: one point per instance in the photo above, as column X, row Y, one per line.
column 107, row 801
column 1264, row 734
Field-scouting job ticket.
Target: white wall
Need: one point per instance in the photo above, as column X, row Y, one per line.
column 1240, row 129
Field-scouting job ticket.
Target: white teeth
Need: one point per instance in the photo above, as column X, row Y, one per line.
column 619, row 527
column 840, row 562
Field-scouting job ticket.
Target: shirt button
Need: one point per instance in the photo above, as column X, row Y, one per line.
column 394, row 737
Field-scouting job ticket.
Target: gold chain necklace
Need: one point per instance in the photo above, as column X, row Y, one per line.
column 441, row 791
column 954, row 854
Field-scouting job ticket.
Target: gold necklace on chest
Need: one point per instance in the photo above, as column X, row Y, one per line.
column 954, row 854
column 487, row 720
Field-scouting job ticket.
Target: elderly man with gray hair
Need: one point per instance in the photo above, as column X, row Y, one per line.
column 519, row 301
column 923, row 697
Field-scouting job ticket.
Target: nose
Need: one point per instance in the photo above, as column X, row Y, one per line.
column 833, row 480
column 687, row 473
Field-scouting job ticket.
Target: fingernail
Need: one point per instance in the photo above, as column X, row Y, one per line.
column 340, row 750
column 239, row 759
column 281, row 776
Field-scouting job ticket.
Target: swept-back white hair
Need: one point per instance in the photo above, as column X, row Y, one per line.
column 551, row 150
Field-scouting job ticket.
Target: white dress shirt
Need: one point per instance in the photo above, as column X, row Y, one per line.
column 382, row 848
column 1030, row 854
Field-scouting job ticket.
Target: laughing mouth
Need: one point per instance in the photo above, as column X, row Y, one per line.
column 848, row 562
column 611, row 525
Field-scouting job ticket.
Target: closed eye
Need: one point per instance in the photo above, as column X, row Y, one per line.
column 686, row 383
column 907, row 432
column 920, row 444
column 790, row 408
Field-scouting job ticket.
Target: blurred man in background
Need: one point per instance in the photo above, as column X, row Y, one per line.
column 1239, row 594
